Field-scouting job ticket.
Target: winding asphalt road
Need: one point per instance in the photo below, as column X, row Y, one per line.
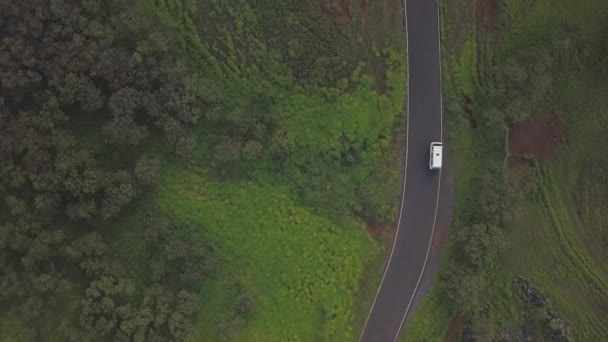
column 420, row 198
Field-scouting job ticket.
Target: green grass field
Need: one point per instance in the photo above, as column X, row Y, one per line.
column 302, row 269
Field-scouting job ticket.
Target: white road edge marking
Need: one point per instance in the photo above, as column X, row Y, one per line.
column 405, row 176
column 428, row 251
column 407, row 146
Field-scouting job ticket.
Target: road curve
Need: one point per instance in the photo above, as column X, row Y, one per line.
column 420, row 198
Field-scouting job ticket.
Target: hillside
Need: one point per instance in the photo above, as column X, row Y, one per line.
column 527, row 85
column 185, row 170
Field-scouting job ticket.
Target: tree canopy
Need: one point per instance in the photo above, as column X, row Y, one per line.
column 83, row 87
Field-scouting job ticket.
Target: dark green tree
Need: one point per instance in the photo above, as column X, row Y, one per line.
column 481, row 243
column 147, row 170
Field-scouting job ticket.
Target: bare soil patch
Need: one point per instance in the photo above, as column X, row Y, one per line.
column 537, row 136
column 439, row 239
column 381, row 233
column 455, row 328
column 338, row 10
column 485, row 13
column 366, row 14
column 388, row 10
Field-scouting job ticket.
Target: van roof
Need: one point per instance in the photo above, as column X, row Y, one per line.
column 437, row 155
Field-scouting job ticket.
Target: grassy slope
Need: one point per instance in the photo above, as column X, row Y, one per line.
column 300, row 262
column 556, row 241
column 301, row 268
column 563, row 263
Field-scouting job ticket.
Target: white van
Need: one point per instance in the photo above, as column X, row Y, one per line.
column 436, row 155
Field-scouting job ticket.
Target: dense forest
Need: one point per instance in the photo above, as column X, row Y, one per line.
column 83, row 90
column 141, row 141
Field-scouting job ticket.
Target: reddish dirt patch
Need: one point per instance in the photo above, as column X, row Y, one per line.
column 537, row 136
column 337, row 10
column 444, row 218
column 455, row 328
column 375, row 231
column 388, row 13
column 366, row 14
column 381, row 234
column 439, row 239
column 380, row 25
column 485, row 13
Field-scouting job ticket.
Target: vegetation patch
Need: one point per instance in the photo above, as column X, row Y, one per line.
column 292, row 262
column 195, row 170
column 502, row 82
column 539, row 305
